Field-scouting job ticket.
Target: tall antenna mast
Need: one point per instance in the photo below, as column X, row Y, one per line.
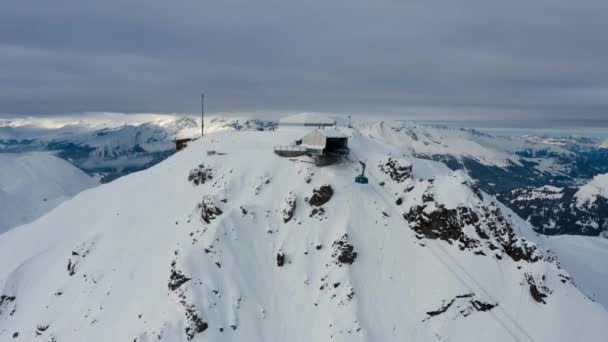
column 202, row 115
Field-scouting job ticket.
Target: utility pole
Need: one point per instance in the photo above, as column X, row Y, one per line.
column 202, row 115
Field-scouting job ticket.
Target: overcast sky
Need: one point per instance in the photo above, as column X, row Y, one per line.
column 464, row 58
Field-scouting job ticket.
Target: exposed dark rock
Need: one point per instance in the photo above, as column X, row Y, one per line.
column 482, row 306
column 321, row 196
column 318, row 213
column 40, row 329
column 280, row 259
column 195, row 324
column 465, row 305
column 5, row 301
column 15, row 334
column 344, row 252
column 442, row 309
column 71, row 267
column 399, row 201
column 200, row 175
column 538, row 293
column 290, row 207
column 447, row 224
column 427, row 197
column 475, row 189
column 442, row 223
column 177, row 279
column 397, row 171
column 209, row 210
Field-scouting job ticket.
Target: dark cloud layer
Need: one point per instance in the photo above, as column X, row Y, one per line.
column 475, row 58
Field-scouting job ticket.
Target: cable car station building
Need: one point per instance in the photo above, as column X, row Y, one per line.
column 324, row 145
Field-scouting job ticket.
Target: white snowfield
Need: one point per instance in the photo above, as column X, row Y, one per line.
column 586, row 258
column 588, row 193
column 152, row 256
column 604, row 144
column 32, row 184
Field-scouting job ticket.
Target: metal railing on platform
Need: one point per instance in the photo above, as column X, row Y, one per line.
column 290, row 148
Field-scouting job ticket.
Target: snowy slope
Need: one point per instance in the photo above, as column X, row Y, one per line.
column 34, row 183
column 586, row 258
column 589, row 193
column 244, row 245
column 604, row 144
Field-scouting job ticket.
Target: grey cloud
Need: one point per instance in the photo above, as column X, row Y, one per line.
column 475, row 58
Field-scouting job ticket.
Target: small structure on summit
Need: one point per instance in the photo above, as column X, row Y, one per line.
column 183, row 138
column 324, row 145
column 326, row 141
column 180, row 144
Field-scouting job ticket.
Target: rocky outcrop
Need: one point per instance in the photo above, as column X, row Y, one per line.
column 289, row 208
column 398, row 171
column 321, row 196
column 7, row 305
column 538, row 291
column 208, row 210
column 344, row 252
column 462, row 305
column 200, row 175
column 493, row 232
column 280, row 259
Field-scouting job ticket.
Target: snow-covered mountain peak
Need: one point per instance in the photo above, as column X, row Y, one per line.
column 589, row 193
column 430, row 141
column 227, row 241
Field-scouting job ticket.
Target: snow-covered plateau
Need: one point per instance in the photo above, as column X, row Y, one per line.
column 226, row 241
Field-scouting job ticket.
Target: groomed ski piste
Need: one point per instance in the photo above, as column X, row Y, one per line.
column 242, row 245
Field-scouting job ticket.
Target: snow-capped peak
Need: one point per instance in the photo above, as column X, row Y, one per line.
column 227, row 241
column 588, row 193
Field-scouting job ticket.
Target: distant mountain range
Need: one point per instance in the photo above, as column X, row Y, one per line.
column 110, row 149
column 538, row 177
column 515, row 169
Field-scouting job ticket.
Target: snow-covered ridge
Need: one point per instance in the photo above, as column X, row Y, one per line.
column 33, row 184
column 604, row 144
column 544, row 192
column 588, row 193
column 430, row 140
column 243, row 245
column 111, row 145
